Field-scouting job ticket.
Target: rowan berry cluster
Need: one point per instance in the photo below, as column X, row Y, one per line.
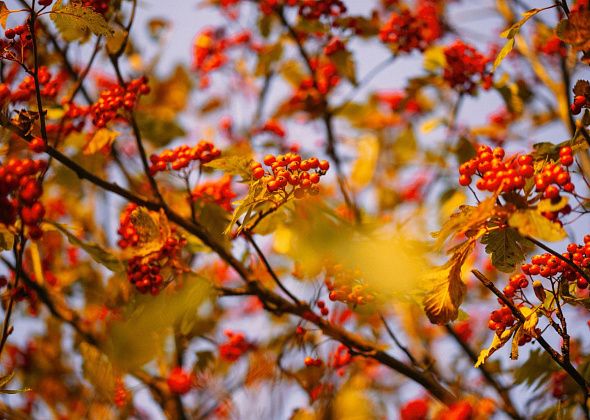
column 210, row 51
column 313, row 362
column 121, row 395
column 558, row 384
column 290, row 170
column 322, row 307
column 399, row 101
column 182, row 156
column 112, row 101
column 311, row 91
column 341, row 357
column 314, row 10
column 495, row 172
column 179, row 381
column 552, row 45
column 502, row 318
column 235, row 346
column 549, row 266
column 50, row 86
column 20, row 190
column 334, row 45
column 273, row 126
column 144, row 272
column 24, row 39
column 217, row 191
column 127, row 232
column 99, row 6
column 409, row 31
column 465, row 68
column 580, row 101
column 554, row 179
column 345, row 285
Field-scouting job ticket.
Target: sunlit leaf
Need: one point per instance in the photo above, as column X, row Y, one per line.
column 442, row 302
column 530, row 222
column 4, row 13
column 364, row 166
column 74, row 17
column 97, row 252
column 497, row 343
column 6, row 239
column 101, row 141
column 506, row 246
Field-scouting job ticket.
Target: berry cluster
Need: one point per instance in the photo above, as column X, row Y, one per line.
column 580, row 101
column 554, row 179
column 322, row 307
column 127, row 232
column 495, row 172
column 99, row 6
column 179, row 382
column 235, row 346
column 314, row 10
column 121, row 395
column 549, row 266
column 341, row 357
column 20, row 190
column 552, row 45
column 515, row 282
column 502, row 318
column 144, row 272
column 111, row 101
column 399, row 101
column 346, row 286
column 465, row 67
column 50, row 86
column 310, row 93
column 210, row 51
column 273, row 126
column 217, row 191
column 409, row 31
column 334, row 45
column 21, row 31
column 182, row 156
column 289, row 169
column 313, row 362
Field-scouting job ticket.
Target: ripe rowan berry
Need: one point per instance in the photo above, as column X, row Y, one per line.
column 179, row 382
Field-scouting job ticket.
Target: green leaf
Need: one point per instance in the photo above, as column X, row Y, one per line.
column 536, row 369
column 73, row 19
column 97, row 252
column 530, row 222
column 157, row 130
column 506, row 246
column 344, row 62
column 233, row 165
column 141, row 334
column 98, row 370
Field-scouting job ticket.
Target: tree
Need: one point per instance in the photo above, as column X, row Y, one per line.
column 184, row 276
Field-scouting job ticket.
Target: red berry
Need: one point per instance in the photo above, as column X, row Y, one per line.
column 179, row 381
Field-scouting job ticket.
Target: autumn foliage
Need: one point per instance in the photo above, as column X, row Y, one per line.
column 328, row 209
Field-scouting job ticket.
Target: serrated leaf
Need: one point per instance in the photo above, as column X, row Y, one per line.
column 73, row 18
column 441, row 303
column 497, row 343
column 576, row 29
column 582, row 88
column 506, row 248
column 153, row 230
column 97, row 370
column 97, row 252
column 465, row 219
column 530, row 222
column 233, row 165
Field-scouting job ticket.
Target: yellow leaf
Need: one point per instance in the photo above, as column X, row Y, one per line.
column 74, row 17
column 530, row 222
column 531, row 320
column 37, row 266
column 282, row 240
column 98, row 370
column 100, row 141
column 497, row 343
column 351, row 403
column 503, row 53
column 442, row 302
column 153, row 230
column 434, row 58
column 4, row 13
column 364, row 166
column 517, row 335
column 6, row 239
column 548, row 205
column 431, row 124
